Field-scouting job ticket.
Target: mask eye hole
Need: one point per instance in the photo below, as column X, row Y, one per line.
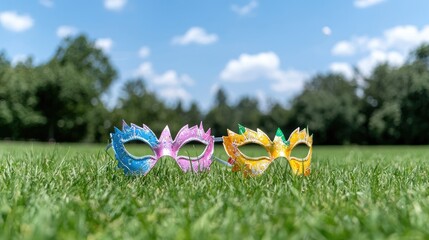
column 192, row 149
column 253, row 150
column 300, row 151
column 138, row 148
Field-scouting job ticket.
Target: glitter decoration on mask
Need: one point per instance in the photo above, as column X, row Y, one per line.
column 279, row 147
column 164, row 146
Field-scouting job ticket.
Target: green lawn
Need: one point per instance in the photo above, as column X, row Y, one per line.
column 72, row 191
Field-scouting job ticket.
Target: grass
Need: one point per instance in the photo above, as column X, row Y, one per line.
column 54, row 191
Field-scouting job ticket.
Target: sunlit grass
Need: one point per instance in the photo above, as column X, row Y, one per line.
column 75, row 191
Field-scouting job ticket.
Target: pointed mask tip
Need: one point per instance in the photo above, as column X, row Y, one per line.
column 241, row 129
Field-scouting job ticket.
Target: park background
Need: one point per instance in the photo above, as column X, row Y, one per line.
column 354, row 72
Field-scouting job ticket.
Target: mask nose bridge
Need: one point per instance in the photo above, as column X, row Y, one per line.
column 168, row 153
column 166, row 145
column 166, row 149
column 281, row 151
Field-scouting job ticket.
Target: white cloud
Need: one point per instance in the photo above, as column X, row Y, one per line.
column 391, row 47
column 362, row 44
column 169, row 77
column 251, row 67
column 246, row 9
column 343, row 68
column 195, row 35
column 114, row 5
column 145, row 70
column 367, row 64
column 406, row 37
column 15, row 22
column 144, row 52
column 372, row 44
column 262, row 66
column 343, row 48
column 175, row 93
column 290, row 80
column 366, row 3
column 104, row 44
column 66, row 31
column 187, row 80
column 47, row 3
column 170, row 84
column 326, row 31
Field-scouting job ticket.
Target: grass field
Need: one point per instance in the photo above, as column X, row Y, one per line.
column 74, row 191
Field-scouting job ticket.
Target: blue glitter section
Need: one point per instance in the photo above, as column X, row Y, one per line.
column 131, row 164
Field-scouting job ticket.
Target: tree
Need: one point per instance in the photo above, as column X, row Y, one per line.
column 277, row 117
column 394, row 98
column 6, row 117
column 138, row 105
column 88, row 60
column 414, row 117
column 221, row 115
column 18, row 115
column 193, row 115
column 383, row 90
column 414, row 124
column 65, row 99
column 421, row 56
column 247, row 112
column 329, row 107
column 69, row 90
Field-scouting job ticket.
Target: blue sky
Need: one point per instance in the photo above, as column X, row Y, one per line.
column 189, row 48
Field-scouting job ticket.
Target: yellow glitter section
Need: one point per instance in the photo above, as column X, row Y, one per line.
column 276, row 148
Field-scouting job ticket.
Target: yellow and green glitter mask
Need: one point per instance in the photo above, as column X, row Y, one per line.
column 279, row 147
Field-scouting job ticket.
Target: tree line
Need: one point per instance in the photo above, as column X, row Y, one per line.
column 60, row 100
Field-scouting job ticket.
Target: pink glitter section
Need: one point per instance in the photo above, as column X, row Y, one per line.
column 165, row 147
column 168, row 147
column 195, row 133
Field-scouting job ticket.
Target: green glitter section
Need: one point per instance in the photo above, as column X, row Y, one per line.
column 241, row 129
column 280, row 134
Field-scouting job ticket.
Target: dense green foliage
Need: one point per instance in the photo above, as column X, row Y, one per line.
column 60, row 100
column 53, row 191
